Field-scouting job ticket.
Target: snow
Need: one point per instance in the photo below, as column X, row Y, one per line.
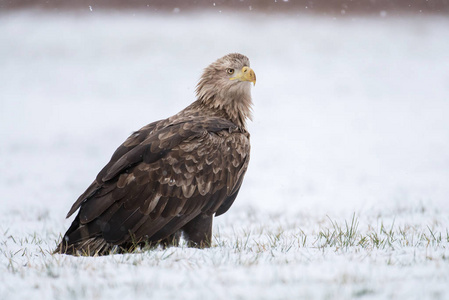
column 350, row 118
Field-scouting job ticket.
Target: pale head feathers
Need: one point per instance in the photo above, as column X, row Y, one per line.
column 215, row 89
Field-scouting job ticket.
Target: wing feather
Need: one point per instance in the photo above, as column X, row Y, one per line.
column 165, row 176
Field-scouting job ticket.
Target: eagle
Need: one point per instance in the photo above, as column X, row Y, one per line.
column 169, row 178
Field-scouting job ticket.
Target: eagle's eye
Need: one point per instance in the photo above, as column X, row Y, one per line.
column 230, row 71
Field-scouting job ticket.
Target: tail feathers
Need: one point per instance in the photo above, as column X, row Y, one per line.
column 83, row 240
column 90, row 247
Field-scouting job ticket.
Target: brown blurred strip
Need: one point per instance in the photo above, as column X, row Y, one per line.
column 332, row 7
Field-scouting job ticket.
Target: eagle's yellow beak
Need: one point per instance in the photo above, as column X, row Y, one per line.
column 245, row 74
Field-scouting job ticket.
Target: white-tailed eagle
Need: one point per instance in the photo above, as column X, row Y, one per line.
column 172, row 176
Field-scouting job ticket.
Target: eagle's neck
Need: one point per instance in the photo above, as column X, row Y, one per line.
column 233, row 104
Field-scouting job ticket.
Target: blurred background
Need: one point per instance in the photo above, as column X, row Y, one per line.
column 263, row 6
column 351, row 122
column 351, row 104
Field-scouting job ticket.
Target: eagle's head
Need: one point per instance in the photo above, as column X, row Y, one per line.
column 226, row 84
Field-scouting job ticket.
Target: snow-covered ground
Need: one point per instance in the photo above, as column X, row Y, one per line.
column 351, row 118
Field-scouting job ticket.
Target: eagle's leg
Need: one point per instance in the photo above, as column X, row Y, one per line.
column 198, row 232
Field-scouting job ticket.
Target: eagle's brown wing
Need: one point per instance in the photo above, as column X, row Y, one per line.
column 160, row 179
